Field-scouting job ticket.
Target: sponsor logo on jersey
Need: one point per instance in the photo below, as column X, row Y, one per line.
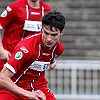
column 39, row 65
column 18, row 55
column 35, row 13
column 9, row 9
column 4, row 14
column 46, row 54
column 24, row 49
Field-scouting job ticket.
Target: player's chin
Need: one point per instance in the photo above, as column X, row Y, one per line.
column 34, row 0
column 48, row 46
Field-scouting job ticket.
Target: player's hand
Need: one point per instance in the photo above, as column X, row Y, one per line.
column 36, row 95
column 53, row 65
column 4, row 55
column 40, row 95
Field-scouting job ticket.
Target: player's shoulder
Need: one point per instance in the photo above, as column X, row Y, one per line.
column 31, row 41
column 60, row 45
column 60, row 48
column 45, row 5
column 16, row 4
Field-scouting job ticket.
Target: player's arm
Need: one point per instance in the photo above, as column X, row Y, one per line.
column 59, row 51
column 6, row 17
column 4, row 54
column 52, row 65
column 7, row 83
column 17, row 58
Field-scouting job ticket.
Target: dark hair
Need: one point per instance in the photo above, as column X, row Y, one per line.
column 54, row 19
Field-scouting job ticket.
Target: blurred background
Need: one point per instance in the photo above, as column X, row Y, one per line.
column 77, row 74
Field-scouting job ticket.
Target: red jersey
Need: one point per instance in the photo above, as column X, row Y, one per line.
column 13, row 19
column 29, row 61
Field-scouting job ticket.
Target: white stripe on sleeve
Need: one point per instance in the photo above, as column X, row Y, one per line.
column 10, row 67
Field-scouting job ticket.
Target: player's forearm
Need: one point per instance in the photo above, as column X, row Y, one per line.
column 7, row 83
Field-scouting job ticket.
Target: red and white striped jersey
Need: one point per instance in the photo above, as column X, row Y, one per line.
column 29, row 61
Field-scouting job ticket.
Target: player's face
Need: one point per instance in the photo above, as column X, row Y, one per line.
column 50, row 37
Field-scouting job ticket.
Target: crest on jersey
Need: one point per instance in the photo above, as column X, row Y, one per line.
column 18, row 55
column 4, row 14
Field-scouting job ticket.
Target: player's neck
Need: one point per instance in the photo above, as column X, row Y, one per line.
column 34, row 4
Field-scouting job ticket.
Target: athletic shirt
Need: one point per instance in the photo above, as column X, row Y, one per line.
column 29, row 61
column 13, row 19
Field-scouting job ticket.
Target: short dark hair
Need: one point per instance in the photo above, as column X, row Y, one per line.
column 54, row 19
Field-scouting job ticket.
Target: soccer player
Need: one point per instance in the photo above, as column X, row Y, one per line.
column 23, row 76
column 17, row 20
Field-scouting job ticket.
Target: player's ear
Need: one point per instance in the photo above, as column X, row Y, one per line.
column 62, row 32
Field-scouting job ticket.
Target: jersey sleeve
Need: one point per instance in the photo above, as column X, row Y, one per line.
column 59, row 49
column 7, row 16
column 20, row 55
column 23, row 54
